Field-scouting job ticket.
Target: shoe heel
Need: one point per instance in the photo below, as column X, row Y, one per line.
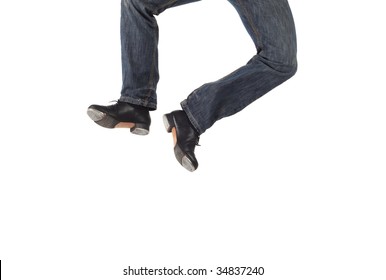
column 168, row 122
column 140, row 129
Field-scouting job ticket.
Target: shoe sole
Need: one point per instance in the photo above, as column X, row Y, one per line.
column 107, row 121
column 181, row 157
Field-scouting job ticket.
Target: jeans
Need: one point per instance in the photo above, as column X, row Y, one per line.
column 270, row 25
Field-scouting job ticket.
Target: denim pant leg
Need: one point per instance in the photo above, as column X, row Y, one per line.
column 139, row 46
column 271, row 27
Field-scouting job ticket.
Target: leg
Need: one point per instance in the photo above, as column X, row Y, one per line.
column 139, row 37
column 271, row 27
column 139, row 40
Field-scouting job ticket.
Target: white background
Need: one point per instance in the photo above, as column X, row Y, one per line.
column 294, row 183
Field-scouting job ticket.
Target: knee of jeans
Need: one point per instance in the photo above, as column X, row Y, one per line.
column 286, row 66
column 290, row 68
column 282, row 54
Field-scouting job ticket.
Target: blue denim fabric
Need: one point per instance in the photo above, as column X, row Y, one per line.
column 271, row 27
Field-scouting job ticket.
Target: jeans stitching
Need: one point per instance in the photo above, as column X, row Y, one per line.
column 249, row 19
column 151, row 78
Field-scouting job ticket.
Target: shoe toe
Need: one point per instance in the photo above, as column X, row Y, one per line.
column 186, row 159
column 95, row 114
column 188, row 164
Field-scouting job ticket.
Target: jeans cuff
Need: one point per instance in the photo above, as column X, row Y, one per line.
column 136, row 101
column 192, row 119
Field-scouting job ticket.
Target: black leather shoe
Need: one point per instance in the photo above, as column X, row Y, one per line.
column 121, row 114
column 185, row 138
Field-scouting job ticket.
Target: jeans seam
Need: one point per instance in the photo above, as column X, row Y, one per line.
column 151, row 78
column 250, row 21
